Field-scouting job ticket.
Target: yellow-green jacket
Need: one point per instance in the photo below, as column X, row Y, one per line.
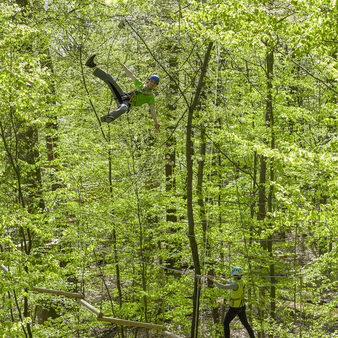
column 237, row 291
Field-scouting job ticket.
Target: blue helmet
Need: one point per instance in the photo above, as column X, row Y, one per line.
column 154, row 78
column 237, row 271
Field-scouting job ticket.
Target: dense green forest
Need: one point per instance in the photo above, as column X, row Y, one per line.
column 243, row 171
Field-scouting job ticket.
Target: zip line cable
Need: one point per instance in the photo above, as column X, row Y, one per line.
column 281, row 240
column 192, row 274
column 172, row 78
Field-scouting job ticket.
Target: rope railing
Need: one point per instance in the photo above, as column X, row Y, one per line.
column 100, row 316
column 58, row 292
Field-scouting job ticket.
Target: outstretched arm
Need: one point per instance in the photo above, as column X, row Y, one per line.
column 227, row 285
column 127, row 71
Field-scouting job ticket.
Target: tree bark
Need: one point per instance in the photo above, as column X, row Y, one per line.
column 270, row 122
column 190, row 210
column 171, row 216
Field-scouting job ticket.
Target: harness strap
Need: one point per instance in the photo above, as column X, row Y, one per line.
column 132, row 95
column 239, row 298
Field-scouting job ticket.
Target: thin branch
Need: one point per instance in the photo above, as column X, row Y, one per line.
column 172, row 78
column 309, row 73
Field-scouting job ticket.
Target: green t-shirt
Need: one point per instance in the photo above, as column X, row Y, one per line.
column 141, row 95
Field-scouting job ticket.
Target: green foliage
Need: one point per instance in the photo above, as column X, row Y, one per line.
column 88, row 207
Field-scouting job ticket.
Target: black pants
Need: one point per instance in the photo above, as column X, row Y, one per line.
column 231, row 314
column 119, row 95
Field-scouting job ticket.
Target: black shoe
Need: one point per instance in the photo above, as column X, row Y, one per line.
column 107, row 118
column 90, row 62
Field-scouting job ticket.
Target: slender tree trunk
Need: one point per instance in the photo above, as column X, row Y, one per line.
column 26, row 151
column 171, row 216
column 190, row 210
column 267, row 166
column 265, row 201
column 200, row 177
column 116, row 257
column 52, row 124
column 270, row 121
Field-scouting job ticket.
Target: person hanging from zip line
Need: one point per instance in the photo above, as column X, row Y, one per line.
column 142, row 93
column 237, row 301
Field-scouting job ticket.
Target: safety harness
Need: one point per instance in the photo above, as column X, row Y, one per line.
column 131, row 96
column 232, row 300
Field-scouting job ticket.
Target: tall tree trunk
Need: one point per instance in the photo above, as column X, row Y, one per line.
column 52, row 123
column 26, row 142
column 116, row 257
column 267, row 166
column 270, row 122
column 190, row 210
column 171, row 216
